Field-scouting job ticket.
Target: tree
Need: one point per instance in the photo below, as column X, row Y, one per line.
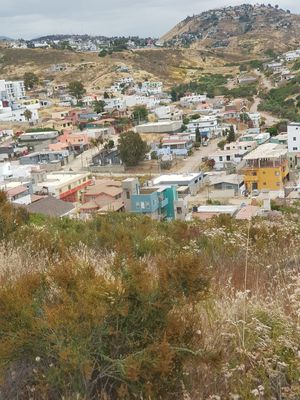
column 132, row 148
column 198, row 137
column 99, row 106
column 140, row 113
column 103, row 53
column 231, row 135
column 97, row 142
column 221, row 144
column 76, row 89
column 109, row 145
column 30, row 80
column 27, row 114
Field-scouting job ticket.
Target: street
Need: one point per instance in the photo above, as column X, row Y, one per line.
column 192, row 163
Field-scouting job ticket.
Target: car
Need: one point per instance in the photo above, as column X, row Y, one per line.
column 255, row 193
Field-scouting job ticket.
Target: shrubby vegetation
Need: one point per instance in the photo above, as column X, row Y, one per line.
column 213, row 85
column 123, row 307
column 283, row 101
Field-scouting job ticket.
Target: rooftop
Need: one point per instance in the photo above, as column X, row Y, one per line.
column 50, row 206
column 174, row 178
column 267, row 150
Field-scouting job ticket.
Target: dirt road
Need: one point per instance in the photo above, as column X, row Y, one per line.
column 192, row 164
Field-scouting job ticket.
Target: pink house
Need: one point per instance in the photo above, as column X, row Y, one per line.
column 72, row 141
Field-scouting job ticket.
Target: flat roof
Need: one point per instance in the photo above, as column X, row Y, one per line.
column 56, row 180
column 267, row 150
column 218, row 209
column 159, row 123
column 232, row 178
column 173, row 178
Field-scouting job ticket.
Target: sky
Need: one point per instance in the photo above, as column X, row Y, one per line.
column 29, row 19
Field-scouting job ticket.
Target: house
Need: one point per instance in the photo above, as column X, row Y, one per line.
column 12, row 90
column 67, row 186
column 233, row 182
column 266, row 167
column 281, row 138
column 160, row 127
column 244, row 146
column 177, row 145
column 31, row 137
column 17, row 192
column 150, row 88
column 207, row 125
column 46, row 157
column 192, row 98
column 59, row 124
column 103, row 196
column 168, row 113
column 293, row 132
column 158, row 202
column 51, row 207
column 107, row 157
column 260, row 138
column 247, row 80
column 224, row 159
column 74, row 142
column 191, row 182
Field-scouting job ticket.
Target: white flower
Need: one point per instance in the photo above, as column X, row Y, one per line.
column 37, row 359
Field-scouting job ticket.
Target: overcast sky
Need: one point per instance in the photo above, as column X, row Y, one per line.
column 33, row 18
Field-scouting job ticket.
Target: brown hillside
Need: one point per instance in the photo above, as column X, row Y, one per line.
column 243, row 29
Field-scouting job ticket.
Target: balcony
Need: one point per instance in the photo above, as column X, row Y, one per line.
column 163, row 202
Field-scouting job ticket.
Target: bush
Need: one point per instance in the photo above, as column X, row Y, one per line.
column 166, row 165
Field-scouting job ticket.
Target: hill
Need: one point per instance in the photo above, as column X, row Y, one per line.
column 123, row 307
column 244, row 29
column 168, row 65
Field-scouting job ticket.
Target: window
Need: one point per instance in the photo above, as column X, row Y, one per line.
column 128, row 195
column 142, row 205
column 228, row 158
column 69, row 187
column 137, row 205
column 295, row 148
column 220, row 158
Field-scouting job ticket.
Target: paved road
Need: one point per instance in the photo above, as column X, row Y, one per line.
column 192, row 164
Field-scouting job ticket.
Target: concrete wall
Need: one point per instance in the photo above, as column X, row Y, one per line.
column 107, row 168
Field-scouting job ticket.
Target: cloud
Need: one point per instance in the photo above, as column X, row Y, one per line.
column 32, row 18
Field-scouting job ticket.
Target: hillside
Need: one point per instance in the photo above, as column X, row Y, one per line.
column 123, row 307
column 243, row 29
column 168, row 65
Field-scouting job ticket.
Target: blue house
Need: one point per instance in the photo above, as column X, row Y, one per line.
column 157, row 202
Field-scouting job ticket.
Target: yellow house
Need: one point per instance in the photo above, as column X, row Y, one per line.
column 266, row 168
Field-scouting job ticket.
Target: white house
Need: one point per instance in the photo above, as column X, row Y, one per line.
column 227, row 158
column 150, row 88
column 192, row 98
column 12, row 90
column 293, row 131
column 208, row 126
